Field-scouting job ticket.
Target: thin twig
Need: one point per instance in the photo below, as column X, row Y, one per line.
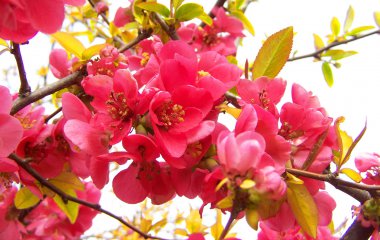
column 227, row 227
column 24, row 90
column 170, row 30
column 65, row 197
column 104, row 17
column 145, row 33
column 317, row 53
column 58, row 110
column 40, row 93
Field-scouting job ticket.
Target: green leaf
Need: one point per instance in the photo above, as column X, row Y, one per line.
column 273, row 54
column 239, row 3
column 252, row 217
column 335, row 26
column 377, row 18
column 327, row 74
column 246, row 23
column 71, row 209
column 336, row 54
column 349, row 19
column 69, row 43
column 356, row 31
column 344, row 143
column 67, row 181
column 318, row 42
column 155, row 7
column 352, row 174
column 25, row 199
column 204, row 17
column 92, row 51
column 177, row 3
column 303, row 207
column 188, row 11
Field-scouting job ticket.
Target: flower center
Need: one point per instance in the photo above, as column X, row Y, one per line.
column 117, row 107
column 6, row 179
column 210, row 38
column 170, row 114
column 145, row 58
column 288, row 133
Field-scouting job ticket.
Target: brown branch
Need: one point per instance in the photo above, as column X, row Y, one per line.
column 232, row 99
column 170, row 30
column 47, row 119
column 102, row 15
column 143, row 34
column 40, row 93
column 357, row 231
column 24, row 90
column 336, row 182
column 315, row 150
column 65, row 197
column 317, row 53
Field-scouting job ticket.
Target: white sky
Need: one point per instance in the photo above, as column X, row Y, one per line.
column 355, row 94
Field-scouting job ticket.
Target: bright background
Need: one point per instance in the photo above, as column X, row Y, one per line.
column 355, row 94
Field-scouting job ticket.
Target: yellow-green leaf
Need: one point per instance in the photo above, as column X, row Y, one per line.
column 337, row 54
column 335, row 26
column 25, row 199
column 327, row 74
column 226, row 202
column 377, row 18
column 246, row 23
column 349, row 19
column 204, row 17
column 92, row 51
column 188, row 11
column 252, row 217
column 67, row 181
column 357, row 30
column 71, row 209
column 273, row 54
column 194, row 222
column 269, row 208
column 291, row 179
column 145, row 225
column 352, row 174
column 217, row 228
column 344, row 142
column 235, row 112
column 159, row 225
column 181, row 232
column 69, row 43
column 247, row 183
column 352, row 146
column 4, row 43
column 318, row 42
column 177, row 3
column 239, row 3
column 155, row 7
column 303, row 208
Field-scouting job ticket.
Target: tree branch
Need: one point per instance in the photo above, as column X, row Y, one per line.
column 104, row 17
column 38, row 94
column 317, row 53
column 143, row 34
column 168, row 29
column 217, row 4
column 24, row 85
column 357, row 231
column 65, row 197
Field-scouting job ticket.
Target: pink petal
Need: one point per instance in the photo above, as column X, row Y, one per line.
column 203, row 130
column 75, row 2
column 11, row 132
column 174, row 144
column 141, row 146
column 127, row 187
column 6, row 100
column 59, row 63
column 74, row 108
column 247, row 120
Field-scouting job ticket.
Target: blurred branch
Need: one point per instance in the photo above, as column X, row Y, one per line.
column 217, row 4
column 65, row 197
column 102, row 15
column 40, row 93
column 143, row 34
column 357, row 231
column 170, row 30
column 317, row 53
column 24, row 85
column 47, row 119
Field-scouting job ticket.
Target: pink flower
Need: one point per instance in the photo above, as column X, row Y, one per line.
column 369, row 163
column 10, row 227
column 60, row 65
column 22, row 19
column 123, row 16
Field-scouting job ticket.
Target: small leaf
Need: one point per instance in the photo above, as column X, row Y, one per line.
column 344, row 142
column 303, row 207
column 356, row 31
column 273, row 54
column 337, row 54
column 246, row 23
column 177, row 3
column 92, row 51
column 269, row 208
column 145, row 225
column 217, row 228
column 4, row 43
column 349, row 19
column 235, row 112
column 181, row 232
column 290, row 178
column 159, row 225
column 25, row 199
column 318, row 42
column 69, row 43
column 327, row 73
column 194, row 222
column 226, row 202
column 188, row 11
column 252, row 217
column 204, row 17
column 239, row 4
column 155, row 7
column 335, row 26
column 377, row 18
column 353, row 145
column 352, row 174
column 67, row 181
column 71, row 209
